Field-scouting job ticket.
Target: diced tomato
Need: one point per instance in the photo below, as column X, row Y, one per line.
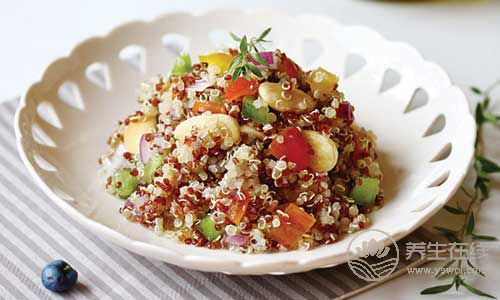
column 238, row 207
column 241, row 87
column 292, row 228
column 289, row 66
column 216, row 108
column 291, row 144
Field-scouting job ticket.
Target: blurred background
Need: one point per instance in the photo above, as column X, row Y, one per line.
column 461, row 35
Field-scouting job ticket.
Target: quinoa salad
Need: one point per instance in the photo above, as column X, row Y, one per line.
column 242, row 149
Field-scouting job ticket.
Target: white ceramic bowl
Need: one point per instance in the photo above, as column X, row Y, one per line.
column 64, row 119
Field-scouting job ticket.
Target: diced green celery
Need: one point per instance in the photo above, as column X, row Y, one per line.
column 207, row 228
column 124, row 183
column 154, row 162
column 365, row 193
column 258, row 115
column 182, row 65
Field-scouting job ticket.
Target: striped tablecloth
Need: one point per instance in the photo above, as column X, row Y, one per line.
column 34, row 231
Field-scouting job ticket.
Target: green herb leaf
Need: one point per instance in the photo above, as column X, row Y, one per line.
column 263, row 35
column 444, row 230
column 259, row 59
column 454, row 210
column 244, row 45
column 475, row 291
column 235, row 37
column 484, row 237
column 241, row 66
column 470, row 224
column 437, row 289
column 254, row 70
column 237, row 73
column 476, row 90
column 236, row 61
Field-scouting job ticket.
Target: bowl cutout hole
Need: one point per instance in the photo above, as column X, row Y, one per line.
column 175, row 43
column 390, row 80
column 98, row 74
column 134, row 56
column 353, row 64
column 41, row 137
column 43, row 163
column 440, row 180
column 443, row 154
column 46, row 112
column 419, row 99
column 312, row 49
column 437, row 126
column 69, row 93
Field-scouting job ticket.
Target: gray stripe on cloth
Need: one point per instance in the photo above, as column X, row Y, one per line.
column 35, row 230
column 50, row 203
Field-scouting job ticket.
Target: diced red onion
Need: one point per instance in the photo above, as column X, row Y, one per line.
column 128, row 204
column 345, row 112
column 199, row 85
column 145, row 151
column 237, row 239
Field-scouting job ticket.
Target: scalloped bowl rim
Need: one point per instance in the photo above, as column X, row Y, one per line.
column 270, row 263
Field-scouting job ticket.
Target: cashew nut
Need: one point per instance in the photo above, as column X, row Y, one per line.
column 134, row 131
column 219, row 124
column 252, row 133
column 325, row 151
column 294, row 100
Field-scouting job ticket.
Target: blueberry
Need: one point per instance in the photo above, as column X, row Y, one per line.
column 59, row 276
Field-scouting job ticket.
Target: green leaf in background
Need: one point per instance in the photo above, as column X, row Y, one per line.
column 476, row 90
column 484, row 237
column 470, row 224
column 476, row 269
column 437, row 289
column 479, row 114
column 487, row 165
column 454, row 210
column 443, row 273
column 475, row 291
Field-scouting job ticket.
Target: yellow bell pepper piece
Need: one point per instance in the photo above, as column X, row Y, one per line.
column 221, row 60
column 322, row 82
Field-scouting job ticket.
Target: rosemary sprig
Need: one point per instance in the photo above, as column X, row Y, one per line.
column 241, row 65
column 483, row 168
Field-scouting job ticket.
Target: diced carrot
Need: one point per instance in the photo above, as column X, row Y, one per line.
column 238, row 208
column 292, row 228
column 299, row 217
